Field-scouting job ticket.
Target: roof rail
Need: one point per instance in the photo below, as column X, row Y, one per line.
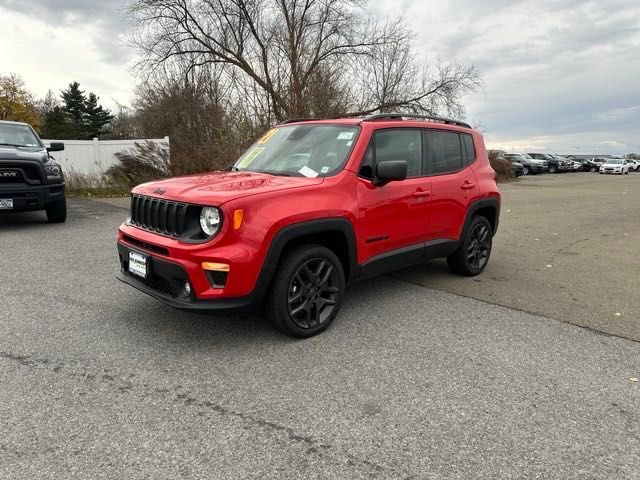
column 296, row 120
column 400, row 116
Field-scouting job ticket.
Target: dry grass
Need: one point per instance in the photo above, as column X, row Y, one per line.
column 96, row 186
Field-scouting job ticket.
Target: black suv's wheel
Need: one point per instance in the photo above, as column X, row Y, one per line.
column 553, row 169
column 473, row 255
column 525, row 171
column 594, row 169
column 306, row 292
column 57, row 212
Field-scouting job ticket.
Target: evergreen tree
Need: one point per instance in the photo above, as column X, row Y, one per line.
column 81, row 117
column 74, row 107
column 96, row 117
column 56, row 125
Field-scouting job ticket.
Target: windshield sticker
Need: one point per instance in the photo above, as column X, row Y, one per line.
column 249, row 157
column 267, row 136
column 308, row 172
column 345, row 136
column 324, row 169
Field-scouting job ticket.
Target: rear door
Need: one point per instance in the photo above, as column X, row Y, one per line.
column 453, row 184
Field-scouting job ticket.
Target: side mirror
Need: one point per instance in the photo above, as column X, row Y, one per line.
column 55, row 147
column 391, row 170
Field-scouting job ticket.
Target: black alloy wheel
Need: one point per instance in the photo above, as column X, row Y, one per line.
column 479, row 247
column 472, row 256
column 313, row 293
column 306, row 292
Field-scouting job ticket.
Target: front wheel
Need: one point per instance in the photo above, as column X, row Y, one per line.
column 593, row 169
column 552, row 169
column 525, row 171
column 306, row 292
column 473, row 255
column 57, row 212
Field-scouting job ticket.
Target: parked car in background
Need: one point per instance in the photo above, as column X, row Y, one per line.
column 530, row 165
column 587, row 165
column 571, row 164
column 30, row 179
column 618, row 166
column 599, row 161
column 634, row 165
column 555, row 165
column 517, row 168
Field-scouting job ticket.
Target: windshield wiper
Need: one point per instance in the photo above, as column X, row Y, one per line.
column 278, row 174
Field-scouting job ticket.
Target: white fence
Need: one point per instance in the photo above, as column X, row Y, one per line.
column 91, row 157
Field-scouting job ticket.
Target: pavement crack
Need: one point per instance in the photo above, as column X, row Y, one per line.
column 564, row 249
column 122, row 384
column 511, row 307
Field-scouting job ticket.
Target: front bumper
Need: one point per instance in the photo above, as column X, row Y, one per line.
column 165, row 282
column 29, row 198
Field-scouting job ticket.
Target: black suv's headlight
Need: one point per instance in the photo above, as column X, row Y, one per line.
column 54, row 172
column 210, row 220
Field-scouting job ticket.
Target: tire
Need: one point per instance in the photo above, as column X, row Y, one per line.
column 473, row 255
column 593, row 169
column 525, row 171
column 552, row 169
column 306, row 291
column 57, row 212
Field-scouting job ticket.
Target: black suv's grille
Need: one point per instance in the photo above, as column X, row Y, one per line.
column 162, row 216
column 19, row 173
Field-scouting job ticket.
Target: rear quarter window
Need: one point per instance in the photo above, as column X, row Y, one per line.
column 445, row 152
column 469, row 148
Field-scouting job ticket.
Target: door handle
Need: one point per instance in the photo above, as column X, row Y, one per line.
column 420, row 194
column 467, row 186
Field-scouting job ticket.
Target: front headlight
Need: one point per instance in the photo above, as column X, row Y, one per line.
column 210, row 220
column 53, row 171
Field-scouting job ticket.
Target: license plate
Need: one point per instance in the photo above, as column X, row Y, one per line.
column 138, row 264
column 6, row 203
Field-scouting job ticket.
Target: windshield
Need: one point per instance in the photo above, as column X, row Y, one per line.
column 16, row 135
column 527, row 156
column 614, row 162
column 300, row 150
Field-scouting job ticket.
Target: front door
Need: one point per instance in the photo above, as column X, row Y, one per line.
column 393, row 217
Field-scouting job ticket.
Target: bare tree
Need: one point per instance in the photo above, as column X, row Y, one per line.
column 299, row 57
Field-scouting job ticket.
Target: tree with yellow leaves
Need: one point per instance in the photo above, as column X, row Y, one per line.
column 16, row 102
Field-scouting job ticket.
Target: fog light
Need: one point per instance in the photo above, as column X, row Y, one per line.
column 187, row 289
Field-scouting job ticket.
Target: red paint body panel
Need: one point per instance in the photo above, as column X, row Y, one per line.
column 384, row 218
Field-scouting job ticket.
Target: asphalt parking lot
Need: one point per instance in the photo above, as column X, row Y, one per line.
column 424, row 375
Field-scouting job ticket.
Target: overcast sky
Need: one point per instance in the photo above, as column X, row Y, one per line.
column 559, row 75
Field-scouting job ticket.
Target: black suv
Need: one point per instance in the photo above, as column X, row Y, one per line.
column 555, row 164
column 29, row 178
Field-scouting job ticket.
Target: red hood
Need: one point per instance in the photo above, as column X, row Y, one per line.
column 216, row 188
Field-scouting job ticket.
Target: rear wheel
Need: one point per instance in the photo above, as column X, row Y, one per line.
column 474, row 252
column 306, row 292
column 57, row 212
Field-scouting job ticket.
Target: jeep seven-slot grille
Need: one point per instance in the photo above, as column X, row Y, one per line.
column 162, row 216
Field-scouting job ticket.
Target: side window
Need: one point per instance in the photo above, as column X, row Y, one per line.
column 446, row 152
column 470, row 149
column 394, row 144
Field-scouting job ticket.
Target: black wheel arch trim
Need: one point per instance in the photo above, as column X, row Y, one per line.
column 490, row 202
column 299, row 230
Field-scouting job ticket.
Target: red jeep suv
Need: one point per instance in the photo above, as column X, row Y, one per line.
column 311, row 207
